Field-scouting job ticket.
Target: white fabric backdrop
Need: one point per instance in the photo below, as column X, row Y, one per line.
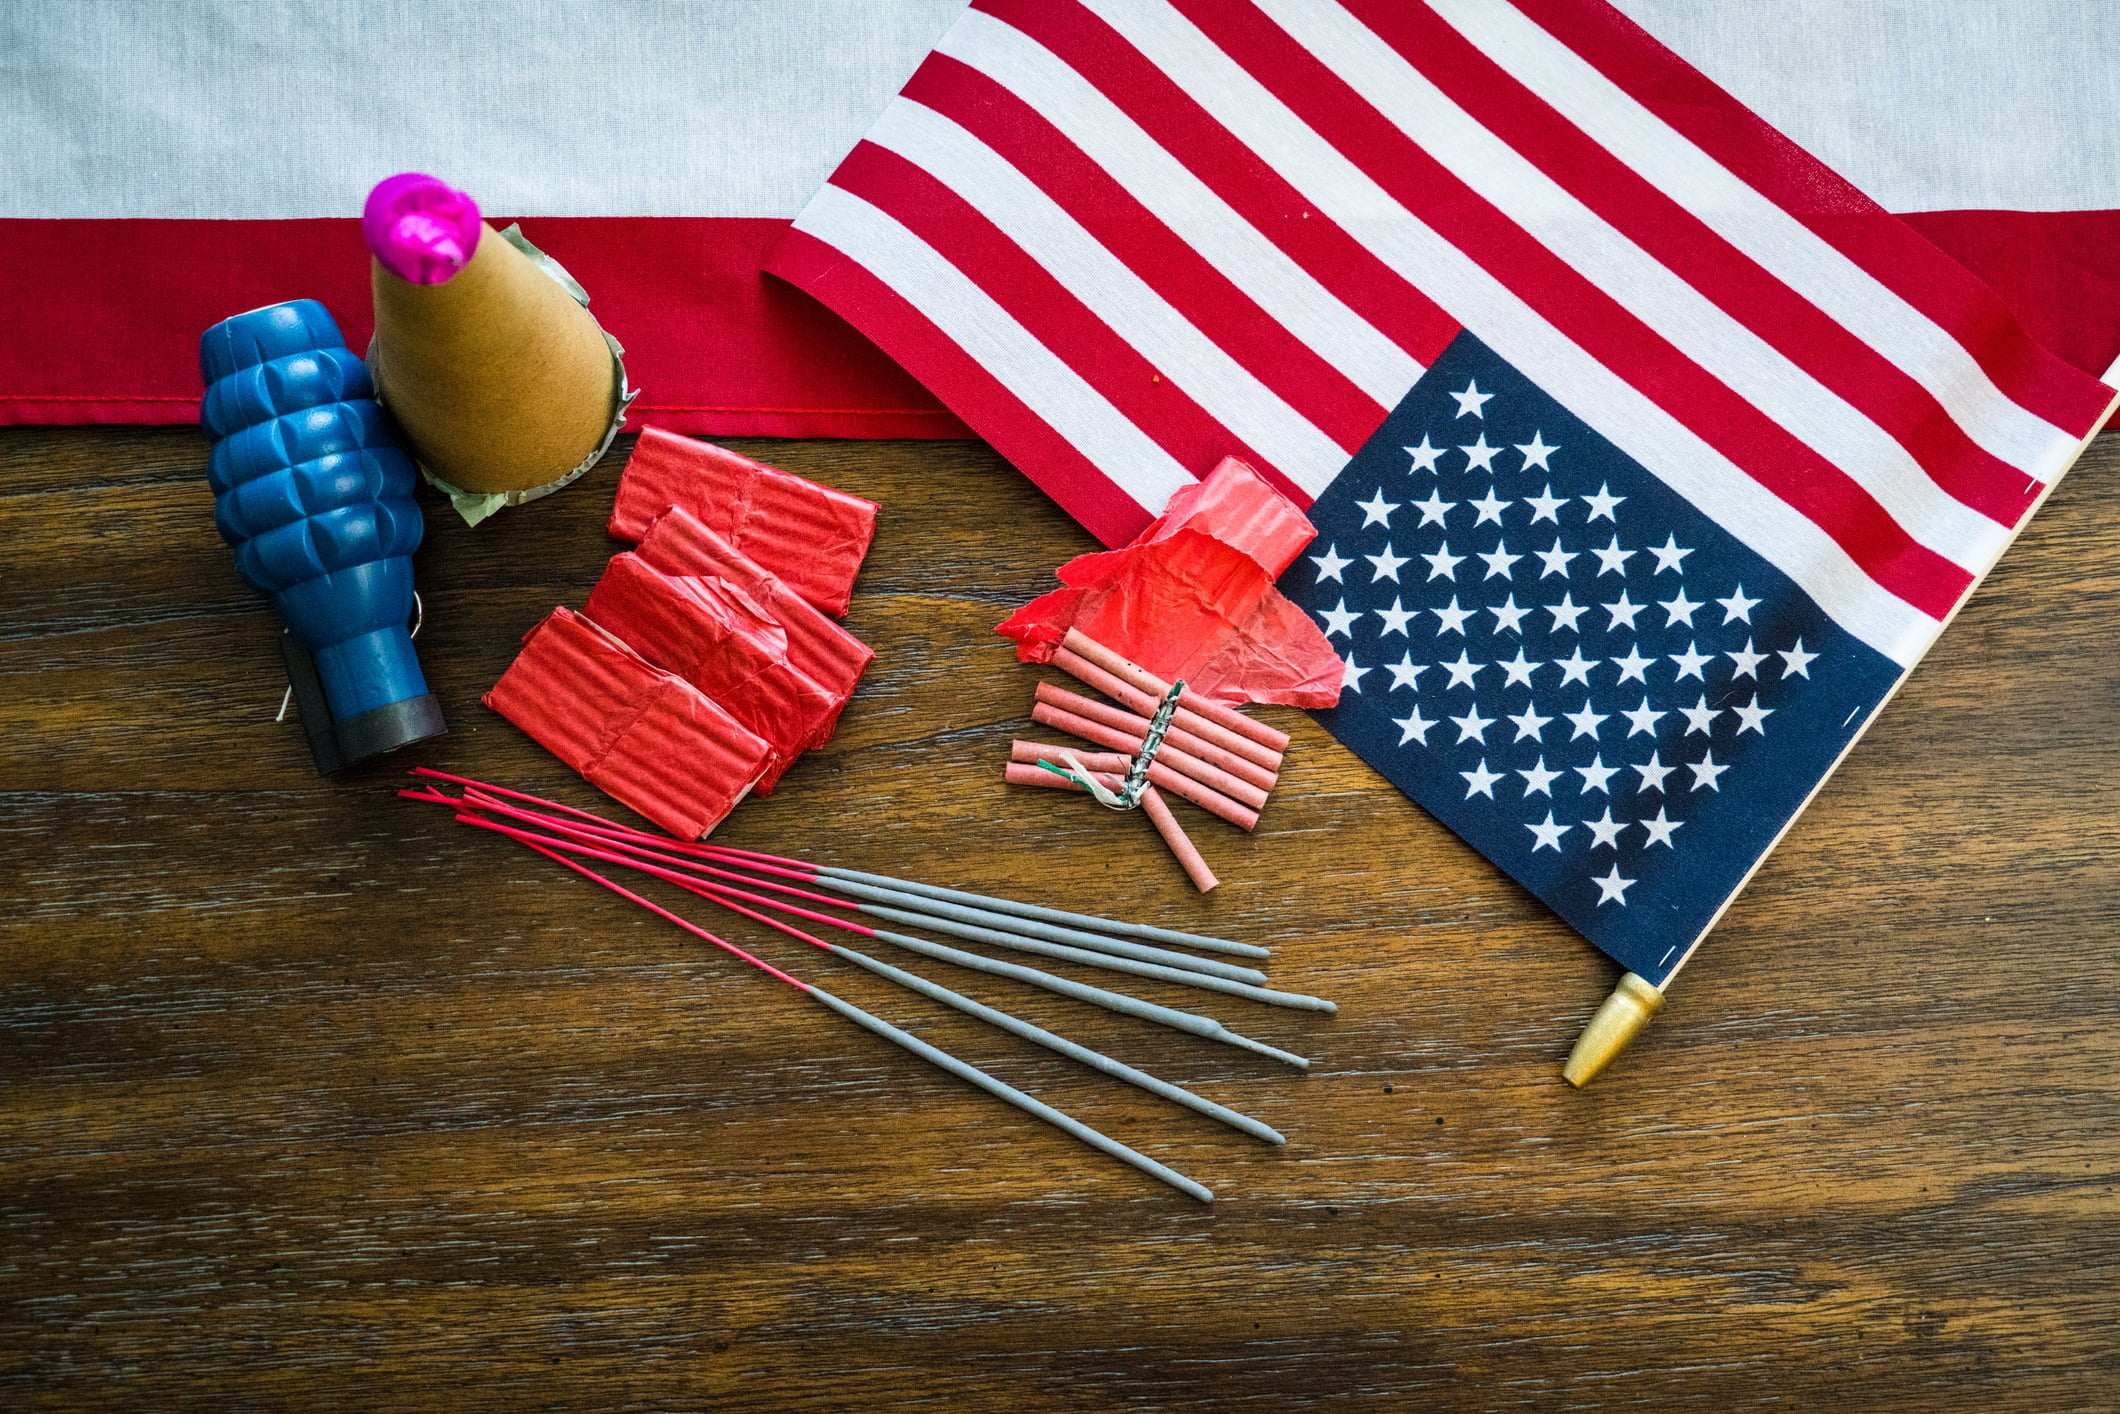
column 292, row 108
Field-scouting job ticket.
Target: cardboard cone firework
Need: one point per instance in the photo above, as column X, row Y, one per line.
column 485, row 351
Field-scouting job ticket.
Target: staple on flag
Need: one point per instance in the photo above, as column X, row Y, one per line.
column 1652, row 451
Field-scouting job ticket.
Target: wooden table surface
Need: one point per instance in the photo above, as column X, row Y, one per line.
column 313, row 1099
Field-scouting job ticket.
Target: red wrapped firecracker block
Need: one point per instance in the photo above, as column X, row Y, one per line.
column 677, row 543
column 645, row 737
column 711, row 634
column 810, row 536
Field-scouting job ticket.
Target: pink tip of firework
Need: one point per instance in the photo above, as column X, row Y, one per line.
column 421, row 230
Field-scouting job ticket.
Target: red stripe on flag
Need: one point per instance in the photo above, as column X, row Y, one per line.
column 104, row 319
column 1394, row 306
column 1122, row 225
column 1069, row 329
column 1015, row 431
column 1826, row 203
column 1686, row 245
column 1583, row 312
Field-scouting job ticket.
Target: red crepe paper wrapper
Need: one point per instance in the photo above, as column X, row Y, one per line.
column 1193, row 597
column 1237, row 506
column 711, row 634
column 677, row 543
column 810, row 536
column 647, row 738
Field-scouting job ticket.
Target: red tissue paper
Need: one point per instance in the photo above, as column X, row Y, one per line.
column 647, row 738
column 1193, row 597
column 811, row 537
column 711, row 634
column 678, row 544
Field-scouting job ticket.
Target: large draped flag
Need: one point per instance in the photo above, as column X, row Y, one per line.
column 1646, row 454
column 167, row 165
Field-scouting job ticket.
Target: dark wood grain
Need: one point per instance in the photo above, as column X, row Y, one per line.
column 313, row 1099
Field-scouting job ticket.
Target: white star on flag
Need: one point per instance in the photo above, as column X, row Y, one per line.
column 1653, row 772
column 1737, row 608
column 1660, row 828
column 1480, row 456
column 1480, row 781
column 1596, row 775
column 1536, row 452
column 1546, row 506
column 1413, row 728
column 1603, row 504
column 1612, row 888
column 1538, row 780
column 1669, row 556
column 1508, row 618
column 1472, row 400
column 1385, row 565
column 1548, row 834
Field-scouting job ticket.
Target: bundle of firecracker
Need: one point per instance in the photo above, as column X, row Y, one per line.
column 1153, row 738
column 706, row 659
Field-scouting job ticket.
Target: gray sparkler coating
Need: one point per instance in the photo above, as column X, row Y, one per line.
column 1016, row 942
column 1191, row 1023
column 1050, row 932
column 1095, row 1060
column 1143, row 931
column 1029, row 1104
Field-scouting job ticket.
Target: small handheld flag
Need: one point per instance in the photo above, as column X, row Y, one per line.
column 1646, row 454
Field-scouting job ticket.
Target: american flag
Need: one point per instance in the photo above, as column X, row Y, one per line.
column 1646, row 454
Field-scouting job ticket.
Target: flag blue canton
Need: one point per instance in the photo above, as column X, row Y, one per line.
column 1576, row 670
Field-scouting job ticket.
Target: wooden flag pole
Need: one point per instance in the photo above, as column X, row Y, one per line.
column 1623, row 1015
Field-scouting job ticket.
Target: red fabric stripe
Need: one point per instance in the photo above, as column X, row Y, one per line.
column 104, row 320
column 1122, row 225
column 1391, row 303
column 1829, row 205
column 1683, row 243
column 931, row 356
column 2059, row 271
column 1043, row 306
column 1584, row 313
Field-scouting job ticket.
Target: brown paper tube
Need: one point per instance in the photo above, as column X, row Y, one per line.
column 1177, row 736
column 1119, row 690
column 501, row 381
column 1147, row 681
column 1153, row 806
column 1119, row 739
column 1200, row 793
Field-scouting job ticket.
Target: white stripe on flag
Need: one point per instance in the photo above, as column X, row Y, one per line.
column 991, row 338
column 1200, row 218
column 1693, row 324
column 1670, row 451
column 1225, row 390
column 1762, row 230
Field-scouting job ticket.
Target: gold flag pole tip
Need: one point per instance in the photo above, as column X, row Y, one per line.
column 1612, row 1028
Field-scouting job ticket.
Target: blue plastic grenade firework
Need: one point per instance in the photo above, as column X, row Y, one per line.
column 315, row 494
